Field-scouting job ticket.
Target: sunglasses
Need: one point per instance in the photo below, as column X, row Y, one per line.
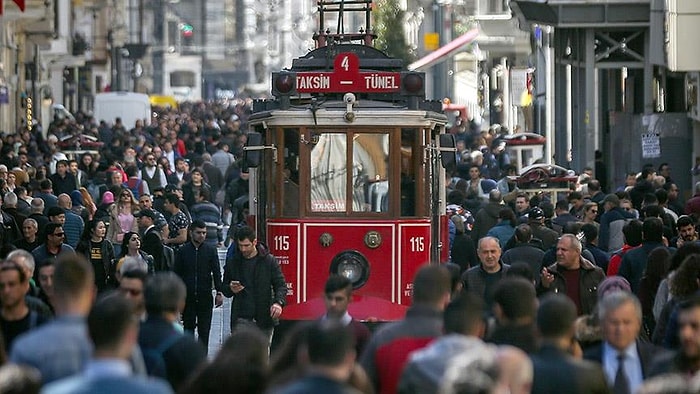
column 58, row 234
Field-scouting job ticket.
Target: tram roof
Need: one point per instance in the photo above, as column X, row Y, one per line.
column 335, row 117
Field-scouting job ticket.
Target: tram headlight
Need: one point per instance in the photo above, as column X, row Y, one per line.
column 352, row 265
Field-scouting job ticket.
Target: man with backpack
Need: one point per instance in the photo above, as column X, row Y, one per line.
column 167, row 352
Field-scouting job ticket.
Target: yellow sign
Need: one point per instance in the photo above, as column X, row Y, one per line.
column 431, row 41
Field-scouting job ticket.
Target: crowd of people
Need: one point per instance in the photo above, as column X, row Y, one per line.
column 110, row 264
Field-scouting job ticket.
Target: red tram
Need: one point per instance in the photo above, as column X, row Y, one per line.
column 347, row 174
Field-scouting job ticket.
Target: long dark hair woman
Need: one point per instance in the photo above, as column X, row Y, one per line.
column 99, row 252
column 131, row 247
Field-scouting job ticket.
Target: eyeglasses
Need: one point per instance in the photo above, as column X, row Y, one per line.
column 58, row 234
column 594, row 210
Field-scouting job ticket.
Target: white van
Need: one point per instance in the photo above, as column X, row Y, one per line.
column 128, row 106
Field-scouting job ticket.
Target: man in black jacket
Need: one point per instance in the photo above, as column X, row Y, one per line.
column 152, row 243
column 197, row 264
column 254, row 279
column 556, row 370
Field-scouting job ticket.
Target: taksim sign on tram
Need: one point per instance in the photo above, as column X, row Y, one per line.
column 346, row 77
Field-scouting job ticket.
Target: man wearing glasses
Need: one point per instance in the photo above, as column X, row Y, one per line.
column 54, row 245
column 151, row 173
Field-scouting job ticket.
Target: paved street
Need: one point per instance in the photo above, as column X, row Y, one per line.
column 220, row 328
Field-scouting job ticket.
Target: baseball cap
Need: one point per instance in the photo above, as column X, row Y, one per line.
column 536, row 214
column 146, row 212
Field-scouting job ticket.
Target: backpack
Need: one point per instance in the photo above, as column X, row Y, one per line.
column 168, row 258
column 153, row 357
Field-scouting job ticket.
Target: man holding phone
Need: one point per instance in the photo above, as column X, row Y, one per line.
column 255, row 281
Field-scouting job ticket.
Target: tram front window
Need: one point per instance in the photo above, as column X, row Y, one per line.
column 369, row 175
column 329, row 173
column 366, row 172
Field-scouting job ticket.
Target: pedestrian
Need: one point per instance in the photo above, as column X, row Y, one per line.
column 482, row 279
column 197, row 263
column 100, row 253
column 555, row 367
column 464, row 327
column 338, row 295
column 625, row 359
column 254, row 280
column 113, row 331
column 53, row 247
column 152, row 244
column 73, row 293
column 241, row 365
column 168, row 353
column 331, row 354
column 390, row 346
column 572, row 275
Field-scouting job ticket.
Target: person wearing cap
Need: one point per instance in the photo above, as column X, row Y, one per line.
column 151, row 241
column 610, row 237
column 53, row 247
column 147, row 202
column 535, row 219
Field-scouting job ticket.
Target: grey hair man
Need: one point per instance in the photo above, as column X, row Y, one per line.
column 624, row 359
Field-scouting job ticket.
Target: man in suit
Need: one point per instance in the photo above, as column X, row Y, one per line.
column 625, row 360
column 556, row 370
column 151, row 242
column 113, row 329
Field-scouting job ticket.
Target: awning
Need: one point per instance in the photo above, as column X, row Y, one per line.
column 442, row 53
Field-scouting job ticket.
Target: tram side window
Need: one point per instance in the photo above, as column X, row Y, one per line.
column 370, row 172
column 328, row 173
column 408, row 176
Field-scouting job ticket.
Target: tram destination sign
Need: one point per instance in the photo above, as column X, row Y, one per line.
column 347, row 77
